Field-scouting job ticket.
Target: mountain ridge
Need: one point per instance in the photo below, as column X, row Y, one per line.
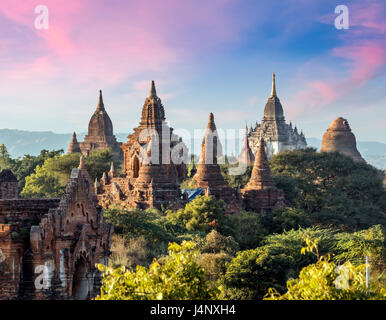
column 21, row 142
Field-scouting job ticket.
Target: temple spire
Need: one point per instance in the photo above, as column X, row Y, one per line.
column 81, row 163
column 261, row 174
column 100, row 106
column 273, row 92
column 211, row 125
column 153, row 92
column 74, row 145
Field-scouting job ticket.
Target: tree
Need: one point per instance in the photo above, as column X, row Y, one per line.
column 42, row 184
column 201, row 214
column 325, row 280
column 248, row 228
column 355, row 246
column 56, row 170
column 252, row 272
column 286, row 219
column 332, row 189
column 177, row 277
column 216, row 251
column 236, row 180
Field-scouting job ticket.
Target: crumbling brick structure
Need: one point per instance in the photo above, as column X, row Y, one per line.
column 339, row 137
column 49, row 247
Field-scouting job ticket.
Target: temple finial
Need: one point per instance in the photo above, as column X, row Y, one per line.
column 211, row 125
column 100, row 106
column 273, row 92
column 81, row 163
column 153, row 92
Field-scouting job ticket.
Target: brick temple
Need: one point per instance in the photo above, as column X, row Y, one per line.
column 339, row 137
column 260, row 194
column 49, row 247
column 100, row 134
column 153, row 164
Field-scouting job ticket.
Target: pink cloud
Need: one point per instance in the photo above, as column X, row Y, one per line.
column 107, row 42
column 364, row 58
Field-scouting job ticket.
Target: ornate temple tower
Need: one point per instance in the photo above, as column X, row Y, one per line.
column 339, row 137
column 208, row 174
column 277, row 134
column 151, row 175
column 165, row 143
column 100, row 134
column 260, row 194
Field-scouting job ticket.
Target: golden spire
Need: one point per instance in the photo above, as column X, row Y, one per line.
column 273, row 92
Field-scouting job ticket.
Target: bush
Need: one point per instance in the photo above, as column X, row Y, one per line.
column 177, row 277
column 201, row 214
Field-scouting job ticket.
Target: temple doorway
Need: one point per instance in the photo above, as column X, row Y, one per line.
column 135, row 167
column 80, row 281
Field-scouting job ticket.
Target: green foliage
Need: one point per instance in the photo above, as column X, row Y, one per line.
column 325, row 280
column 236, row 180
column 331, row 188
column 50, row 178
column 150, row 223
column 133, row 251
column 188, row 183
column 355, row 246
column 286, row 219
column 216, row 251
column 25, row 166
column 248, row 228
column 177, row 277
column 252, row 272
column 42, row 184
column 215, row 242
column 320, row 282
column 201, row 214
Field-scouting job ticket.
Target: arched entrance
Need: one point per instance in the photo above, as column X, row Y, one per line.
column 135, row 167
column 80, row 281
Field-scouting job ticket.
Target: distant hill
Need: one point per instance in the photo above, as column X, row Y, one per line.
column 19, row 143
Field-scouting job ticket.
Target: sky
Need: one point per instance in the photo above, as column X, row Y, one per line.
column 205, row 56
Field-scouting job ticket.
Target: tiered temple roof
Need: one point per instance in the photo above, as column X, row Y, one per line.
column 100, row 134
column 277, row 134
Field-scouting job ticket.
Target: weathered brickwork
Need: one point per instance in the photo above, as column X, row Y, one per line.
column 100, row 134
column 151, row 175
column 49, row 247
column 339, row 137
column 260, row 194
